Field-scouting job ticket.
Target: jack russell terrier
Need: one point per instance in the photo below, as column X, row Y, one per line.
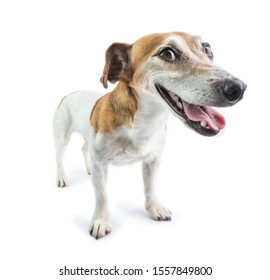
column 158, row 74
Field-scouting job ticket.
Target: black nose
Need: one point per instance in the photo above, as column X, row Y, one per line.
column 233, row 90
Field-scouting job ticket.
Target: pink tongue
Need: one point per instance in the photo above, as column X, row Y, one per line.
column 204, row 113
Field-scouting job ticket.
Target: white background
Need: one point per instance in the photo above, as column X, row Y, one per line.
column 217, row 188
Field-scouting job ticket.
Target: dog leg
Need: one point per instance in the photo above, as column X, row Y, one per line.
column 62, row 133
column 60, row 147
column 86, row 155
column 100, row 222
column 156, row 210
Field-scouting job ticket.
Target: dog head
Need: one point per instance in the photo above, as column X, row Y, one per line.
column 177, row 70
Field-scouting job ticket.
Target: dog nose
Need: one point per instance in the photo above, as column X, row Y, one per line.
column 233, row 90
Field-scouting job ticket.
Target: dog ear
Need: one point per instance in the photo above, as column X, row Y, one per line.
column 117, row 64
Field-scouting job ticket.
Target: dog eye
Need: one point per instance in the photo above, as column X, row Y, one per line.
column 207, row 50
column 168, row 54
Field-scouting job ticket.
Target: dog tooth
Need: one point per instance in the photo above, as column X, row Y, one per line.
column 174, row 97
column 179, row 105
column 203, row 124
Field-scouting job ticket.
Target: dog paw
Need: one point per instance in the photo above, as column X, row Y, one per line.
column 61, row 182
column 99, row 228
column 159, row 212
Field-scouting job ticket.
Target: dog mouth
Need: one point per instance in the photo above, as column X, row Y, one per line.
column 203, row 119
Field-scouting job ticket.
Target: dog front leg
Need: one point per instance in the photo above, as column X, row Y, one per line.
column 100, row 225
column 156, row 210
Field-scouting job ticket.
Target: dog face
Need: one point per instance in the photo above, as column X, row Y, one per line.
column 177, row 70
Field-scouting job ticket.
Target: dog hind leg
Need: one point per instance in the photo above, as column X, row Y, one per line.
column 86, row 155
column 62, row 133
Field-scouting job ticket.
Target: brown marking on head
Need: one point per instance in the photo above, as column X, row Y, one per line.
column 144, row 48
column 148, row 45
column 115, row 109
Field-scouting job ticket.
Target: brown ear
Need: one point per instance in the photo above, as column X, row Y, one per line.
column 117, row 64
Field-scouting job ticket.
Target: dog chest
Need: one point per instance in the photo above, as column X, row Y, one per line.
column 125, row 146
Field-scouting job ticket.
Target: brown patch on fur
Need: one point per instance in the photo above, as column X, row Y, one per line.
column 114, row 109
column 144, row 47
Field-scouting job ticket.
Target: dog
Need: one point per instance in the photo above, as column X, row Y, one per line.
column 159, row 74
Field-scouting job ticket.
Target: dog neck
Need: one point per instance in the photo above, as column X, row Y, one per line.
column 126, row 106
